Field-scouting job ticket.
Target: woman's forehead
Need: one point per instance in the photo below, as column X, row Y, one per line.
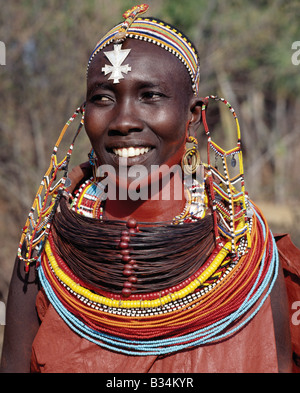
column 158, row 33
column 140, row 59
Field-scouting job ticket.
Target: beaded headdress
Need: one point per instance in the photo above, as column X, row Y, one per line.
column 156, row 32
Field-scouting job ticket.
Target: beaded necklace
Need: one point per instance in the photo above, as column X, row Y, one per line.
column 183, row 318
column 89, row 201
column 196, row 311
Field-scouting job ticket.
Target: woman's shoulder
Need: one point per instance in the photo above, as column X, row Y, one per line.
column 289, row 256
column 289, row 253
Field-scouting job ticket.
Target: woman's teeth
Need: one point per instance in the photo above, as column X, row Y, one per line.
column 131, row 151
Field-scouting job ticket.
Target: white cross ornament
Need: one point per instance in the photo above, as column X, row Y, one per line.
column 116, row 57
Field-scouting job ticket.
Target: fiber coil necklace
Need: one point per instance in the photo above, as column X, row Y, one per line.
column 105, row 254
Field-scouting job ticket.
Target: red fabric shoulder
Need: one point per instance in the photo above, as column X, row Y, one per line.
column 290, row 259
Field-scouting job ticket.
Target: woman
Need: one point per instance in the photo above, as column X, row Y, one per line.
column 173, row 270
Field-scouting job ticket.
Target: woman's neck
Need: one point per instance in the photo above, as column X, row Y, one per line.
column 161, row 205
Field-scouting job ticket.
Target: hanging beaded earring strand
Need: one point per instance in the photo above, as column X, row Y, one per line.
column 46, row 201
column 225, row 187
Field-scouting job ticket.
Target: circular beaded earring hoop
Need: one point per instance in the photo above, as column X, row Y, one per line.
column 191, row 158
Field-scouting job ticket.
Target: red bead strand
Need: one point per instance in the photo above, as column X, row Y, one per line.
column 130, row 264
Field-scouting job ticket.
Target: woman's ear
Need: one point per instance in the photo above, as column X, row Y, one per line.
column 195, row 115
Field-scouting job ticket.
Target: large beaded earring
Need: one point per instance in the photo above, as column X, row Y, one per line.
column 191, row 158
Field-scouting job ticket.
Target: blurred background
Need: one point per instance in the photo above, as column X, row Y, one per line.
column 246, row 56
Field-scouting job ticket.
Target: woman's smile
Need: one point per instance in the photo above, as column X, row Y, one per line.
column 127, row 152
column 131, row 155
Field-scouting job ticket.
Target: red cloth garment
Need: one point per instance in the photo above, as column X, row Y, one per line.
column 252, row 349
column 290, row 260
column 57, row 348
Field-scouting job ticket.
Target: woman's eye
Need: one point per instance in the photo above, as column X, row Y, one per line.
column 152, row 95
column 99, row 98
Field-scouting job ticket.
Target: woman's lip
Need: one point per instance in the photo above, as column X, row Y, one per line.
column 139, row 159
column 131, row 151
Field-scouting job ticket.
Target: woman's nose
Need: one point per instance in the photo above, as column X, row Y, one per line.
column 126, row 119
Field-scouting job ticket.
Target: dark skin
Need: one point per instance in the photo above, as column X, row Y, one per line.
column 152, row 106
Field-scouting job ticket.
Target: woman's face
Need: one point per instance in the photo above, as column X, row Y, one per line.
column 143, row 118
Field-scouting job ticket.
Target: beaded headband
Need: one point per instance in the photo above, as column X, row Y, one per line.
column 156, row 32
